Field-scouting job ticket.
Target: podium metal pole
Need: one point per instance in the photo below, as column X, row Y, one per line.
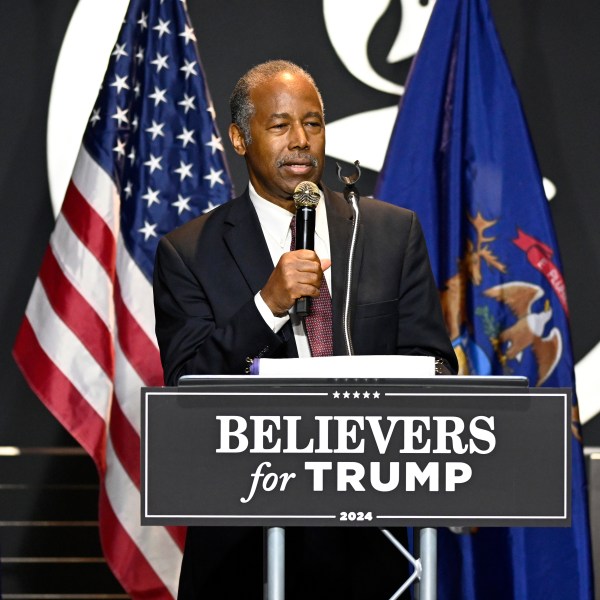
column 428, row 557
column 275, row 542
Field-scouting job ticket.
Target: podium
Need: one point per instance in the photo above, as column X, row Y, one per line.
column 426, row 453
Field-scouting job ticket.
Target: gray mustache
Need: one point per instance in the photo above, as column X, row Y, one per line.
column 295, row 157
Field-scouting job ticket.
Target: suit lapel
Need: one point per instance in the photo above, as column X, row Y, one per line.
column 340, row 221
column 246, row 242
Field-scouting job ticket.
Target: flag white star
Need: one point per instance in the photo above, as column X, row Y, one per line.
column 128, row 189
column 151, row 196
column 162, row 28
column 134, row 123
column 182, row 203
column 187, row 137
column 214, row 177
column 148, row 230
column 137, row 90
column 143, row 21
column 131, row 155
column 209, row 207
column 121, row 116
column 154, row 163
column 188, row 68
column 119, row 148
column 95, row 116
column 211, row 110
column 119, row 51
column 184, row 170
column 139, row 55
column 215, row 143
column 187, row 103
column 158, row 96
column 188, row 34
column 160, row 61
column 156, row 129
column 120, row 83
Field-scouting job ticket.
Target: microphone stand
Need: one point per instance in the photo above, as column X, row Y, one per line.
column 352, row 197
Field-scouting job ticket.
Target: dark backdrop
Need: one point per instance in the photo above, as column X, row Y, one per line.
column 553, row 48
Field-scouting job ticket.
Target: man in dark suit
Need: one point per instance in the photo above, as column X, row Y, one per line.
column 224, row 286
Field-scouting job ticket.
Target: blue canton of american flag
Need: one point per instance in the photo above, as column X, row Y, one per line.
column 151, row 159
column 153, row 128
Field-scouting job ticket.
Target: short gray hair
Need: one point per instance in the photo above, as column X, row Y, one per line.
column 241, row 105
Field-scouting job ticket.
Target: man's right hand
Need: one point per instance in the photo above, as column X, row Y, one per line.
column 298, row 274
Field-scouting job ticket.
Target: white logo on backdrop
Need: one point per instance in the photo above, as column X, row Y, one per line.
column 350, row 25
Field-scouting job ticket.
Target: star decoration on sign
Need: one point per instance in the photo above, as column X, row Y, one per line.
column 336, row 394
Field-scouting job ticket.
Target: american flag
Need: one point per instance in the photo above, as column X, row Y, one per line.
column 151, row 158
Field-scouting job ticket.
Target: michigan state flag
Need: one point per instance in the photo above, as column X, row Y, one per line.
column 462, row 158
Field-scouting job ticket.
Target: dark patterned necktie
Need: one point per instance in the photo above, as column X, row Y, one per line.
column 319, row 322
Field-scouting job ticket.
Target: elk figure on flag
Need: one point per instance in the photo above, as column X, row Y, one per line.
column 151, row 158
column 461, row 157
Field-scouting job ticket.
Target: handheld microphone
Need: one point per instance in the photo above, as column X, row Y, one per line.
column 306, row 197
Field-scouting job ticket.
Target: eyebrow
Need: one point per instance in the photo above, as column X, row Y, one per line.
column 287, row 115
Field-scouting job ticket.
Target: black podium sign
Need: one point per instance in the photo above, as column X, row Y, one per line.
column 249, row 451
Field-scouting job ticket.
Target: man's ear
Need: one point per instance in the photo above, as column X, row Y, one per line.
column 237, row 139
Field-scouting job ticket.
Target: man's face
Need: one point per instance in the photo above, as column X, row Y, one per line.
column 288, row 138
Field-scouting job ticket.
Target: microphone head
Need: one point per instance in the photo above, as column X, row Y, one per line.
column 306, row 194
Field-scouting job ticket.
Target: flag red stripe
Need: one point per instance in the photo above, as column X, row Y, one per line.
column 124, row 557
column 141, row 353
column 76, row 313
column 59, row 395
column 90, row 228
column 125, row 441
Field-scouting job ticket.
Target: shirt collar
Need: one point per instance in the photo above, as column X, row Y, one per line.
column 276, row 220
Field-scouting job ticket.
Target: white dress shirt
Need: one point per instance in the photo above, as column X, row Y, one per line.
column 275, row 223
